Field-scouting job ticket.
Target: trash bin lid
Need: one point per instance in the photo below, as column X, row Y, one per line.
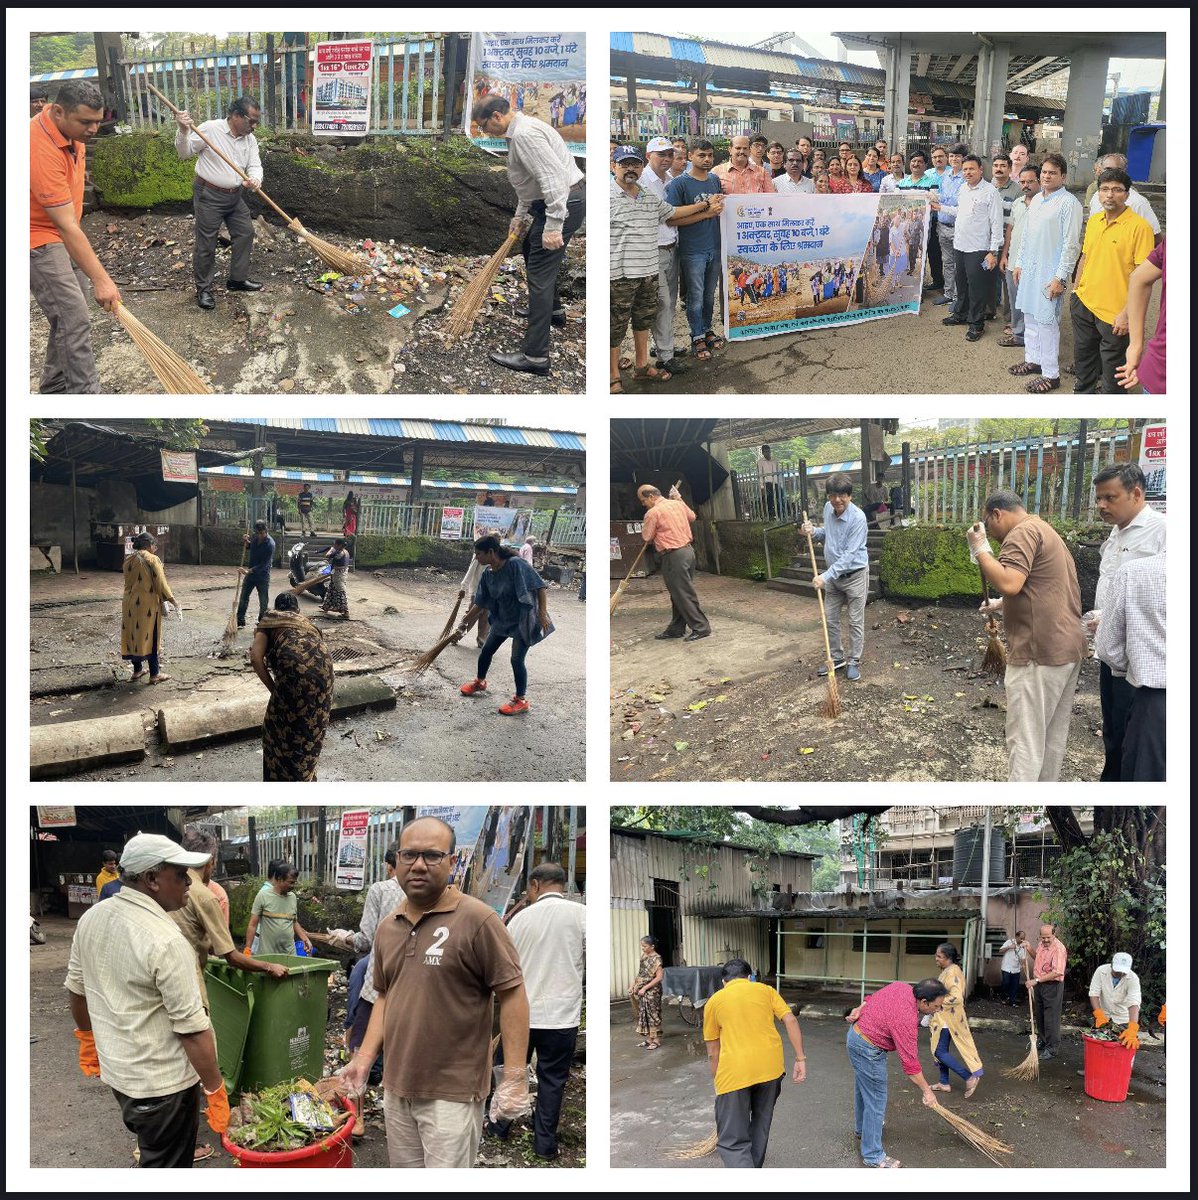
column 230, row 1008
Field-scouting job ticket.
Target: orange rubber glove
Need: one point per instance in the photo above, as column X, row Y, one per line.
column 89, row 1060
column 217, row 1111
column 1100, row 1018
column 1160, row 1020
column 1130, row 1036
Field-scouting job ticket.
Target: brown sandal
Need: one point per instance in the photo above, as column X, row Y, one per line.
column 1024, row 368
column 700, row 349
column 1009, row 340
column 616, row 387
column 1042, row 385
column 652, row 374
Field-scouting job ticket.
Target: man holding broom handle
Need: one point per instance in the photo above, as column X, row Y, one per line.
column 61, row 259
column 550, row 206
column 845, row 578
column 262, row 554
column 667, row 525
column 217, row 193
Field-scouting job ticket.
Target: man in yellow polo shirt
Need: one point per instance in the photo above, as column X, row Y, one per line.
column 1117, row 241
column 747, row 1062
column 61, row 260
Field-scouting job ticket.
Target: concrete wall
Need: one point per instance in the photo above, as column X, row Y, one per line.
column 373, row 551
column 741, row 549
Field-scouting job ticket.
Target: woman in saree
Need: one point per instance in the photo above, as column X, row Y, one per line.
column 289, row 656
column 349, row 516
column 646, row 995
column 148, row 598
column 950, row 1028
column 336, row 598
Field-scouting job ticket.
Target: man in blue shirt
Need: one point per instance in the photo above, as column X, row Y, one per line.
column 950, row 187
column 845, row 578
column 262, row 553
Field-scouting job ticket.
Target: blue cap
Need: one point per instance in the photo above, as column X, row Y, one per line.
column 622, row 153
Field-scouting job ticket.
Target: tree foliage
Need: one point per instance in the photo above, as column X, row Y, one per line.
column 61, row 52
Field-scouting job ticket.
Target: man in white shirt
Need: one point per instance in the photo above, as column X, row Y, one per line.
column 977, row 240
column 550, row 937
column 660, row 155
column 217, row 194
column 767, row 479
column 135, row 999
column 794, row 181
column 1115, row 998
column 550, row 207
column 1014, row 956
column 1139, row 533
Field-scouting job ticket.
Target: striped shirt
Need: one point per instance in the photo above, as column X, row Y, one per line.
column 138, row 975
column 1131, row 635
column 634, row 222
column 210, row 166
column 890, row 1021
column 540, row 167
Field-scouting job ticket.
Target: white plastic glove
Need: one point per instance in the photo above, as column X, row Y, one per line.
column 991, row 606
column 925, row 1021
column 978, row 542
column 511, row 1098
column 1091, row 621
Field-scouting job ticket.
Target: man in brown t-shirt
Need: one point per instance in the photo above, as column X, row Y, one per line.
column 1041, row 605
column 438, row 960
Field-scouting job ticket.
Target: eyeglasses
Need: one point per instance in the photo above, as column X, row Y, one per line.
column 432, row 858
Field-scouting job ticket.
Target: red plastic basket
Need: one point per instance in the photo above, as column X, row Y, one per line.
column 1108, row 1069
column 334, row 1151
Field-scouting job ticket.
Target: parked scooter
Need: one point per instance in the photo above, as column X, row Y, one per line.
column 298, row 571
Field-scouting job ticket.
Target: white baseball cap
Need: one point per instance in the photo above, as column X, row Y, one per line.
column 147, row 850
column 1121, row 962
column 659, row 144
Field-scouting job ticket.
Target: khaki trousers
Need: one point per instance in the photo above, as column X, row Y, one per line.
column 432, row 1133
column 1039, row 706
column 62, row 292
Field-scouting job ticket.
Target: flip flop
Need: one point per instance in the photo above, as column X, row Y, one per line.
column 653, row 1046
column 887, row 1162
column 203, row 1153
column 136, row 675
column 159, row 678
column 971, row 1085
column 1009, row 339
column 650, row 374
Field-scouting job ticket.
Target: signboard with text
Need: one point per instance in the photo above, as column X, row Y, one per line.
column 341, row 88
column 351, row 850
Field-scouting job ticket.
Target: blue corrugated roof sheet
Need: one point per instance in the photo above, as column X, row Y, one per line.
column 409, row 427
column 622, row 41
column 686, row 50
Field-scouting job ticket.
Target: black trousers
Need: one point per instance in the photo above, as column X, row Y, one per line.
column 1116, row 695
column 212, row 209
column 166, row 1126
column 771, row 501
column 555, row 1053
column 934, row 259
column 742, row 1122
column 1097, row 351
column 252, row 583
column 542, row 268
column 975, row 287
column 1144, row 742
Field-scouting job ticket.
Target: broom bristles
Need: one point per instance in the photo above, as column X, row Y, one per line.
column 831, row 705
column 338, row 259
column 466, row 310
column 1029, row 1069
column 979, row 1139
column 427, row 659
column 995, row 660
column 175, row 374
column 696, row 1149
column 453, row 616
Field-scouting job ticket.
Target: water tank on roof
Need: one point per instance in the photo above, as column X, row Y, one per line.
column 968, row 845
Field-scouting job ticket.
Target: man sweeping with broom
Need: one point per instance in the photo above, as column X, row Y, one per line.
column 217, row 192
column 262, row 554
column 550, row 206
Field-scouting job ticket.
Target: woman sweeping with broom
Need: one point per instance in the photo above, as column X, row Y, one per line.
column 148, row 598
column 514, row 598
column 949, row 1027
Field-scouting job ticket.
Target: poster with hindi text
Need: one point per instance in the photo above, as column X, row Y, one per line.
column 351, row 850
column 341, row 88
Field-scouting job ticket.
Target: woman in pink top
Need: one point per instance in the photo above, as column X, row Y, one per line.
column 837, row 182
column 855, row 175
column 1145, row 367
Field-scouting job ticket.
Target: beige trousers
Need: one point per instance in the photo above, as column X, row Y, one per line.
column 432, row 1133
column 1039, row 706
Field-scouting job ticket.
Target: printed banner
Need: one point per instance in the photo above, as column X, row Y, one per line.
column 179, row 466
column 541, row 74
column 341, row 88
column 351, row 850
column 488, row 519
column 467, row 821
column 615, row 549
column 55, row 816
column 1152, row 463
column 801, row 262
column 451, row 524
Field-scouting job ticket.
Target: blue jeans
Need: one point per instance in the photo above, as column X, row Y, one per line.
column 519, row 654
column 251, row 584
column 153, row 661
column 946, row 1059
column 869, row 1102
column 702, row 273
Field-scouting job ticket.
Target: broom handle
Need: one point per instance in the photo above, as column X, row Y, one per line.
column 636, row 562
column 237, row 589
column 1031, row 1011
column 991, row 623
column 819, row 592
column 219, row 155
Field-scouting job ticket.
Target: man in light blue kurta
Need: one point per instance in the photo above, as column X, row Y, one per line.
column 1043, row 266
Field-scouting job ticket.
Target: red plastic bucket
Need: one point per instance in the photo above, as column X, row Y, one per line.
column 1108, row 1069
column 334, row 1151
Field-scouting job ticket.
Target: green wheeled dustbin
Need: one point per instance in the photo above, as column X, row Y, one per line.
column 286, row 1032
column 231, row 1006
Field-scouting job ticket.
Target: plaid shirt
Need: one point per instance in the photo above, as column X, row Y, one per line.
column 890, row 1021
column 1131, row 635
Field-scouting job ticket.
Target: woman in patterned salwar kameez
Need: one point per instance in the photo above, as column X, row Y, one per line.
column 949, row 1027
column 289, row 656
column 147, row 595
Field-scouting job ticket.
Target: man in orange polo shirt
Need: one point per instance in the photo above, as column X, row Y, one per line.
column 61, row 259
column 668, row 526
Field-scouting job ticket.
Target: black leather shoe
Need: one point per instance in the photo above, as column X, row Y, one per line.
column 521, row 362
column 974, row 335
column 694, row 637
column 243, row 285
column 666, row 635
column 557, row 320
column 205, row 299
column 954, row 321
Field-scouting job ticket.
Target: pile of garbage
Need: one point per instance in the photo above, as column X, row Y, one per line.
column 287, row 1116
column 392, row 273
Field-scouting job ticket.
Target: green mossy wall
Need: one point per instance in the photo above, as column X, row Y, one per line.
column 373, row 552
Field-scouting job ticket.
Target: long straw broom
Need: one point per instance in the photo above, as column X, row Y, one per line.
column 979, row 1139
column 1029, row 1069
column 427, row 659
column 466, row 310
column 230, row 634
column 995, row 660
column 831, row 705
column 453, row 616
column 339, row 260
column 174, row 373
column 696, row 1149
column 611, row 607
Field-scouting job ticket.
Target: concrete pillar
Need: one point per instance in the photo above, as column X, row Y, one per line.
column 1156, row 169
column 633, row 125
column 721, row 506
column 989, row 98
column 1083, row 113
column 897, row 95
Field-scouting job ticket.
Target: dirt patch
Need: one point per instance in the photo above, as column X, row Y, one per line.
column 744, row 703
column 308, row 331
